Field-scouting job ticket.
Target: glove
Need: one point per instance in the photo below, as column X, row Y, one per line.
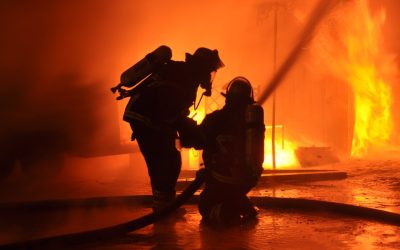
column 189, row 133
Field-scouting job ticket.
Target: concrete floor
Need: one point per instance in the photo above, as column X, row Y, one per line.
column 274, row 230
column 370, row 183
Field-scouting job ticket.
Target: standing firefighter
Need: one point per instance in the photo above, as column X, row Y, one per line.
column 233, row 143
column 159, row 104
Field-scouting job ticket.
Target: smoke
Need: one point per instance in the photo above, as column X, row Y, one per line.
column 59, row 60
column 54, row 85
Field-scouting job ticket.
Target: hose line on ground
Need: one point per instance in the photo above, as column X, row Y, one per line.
column 297, row 204
column 112, row 231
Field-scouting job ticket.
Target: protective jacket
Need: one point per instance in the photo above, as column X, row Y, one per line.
column 224, row 148
column 224, row 198
column 154, row 113
column 158, row 104
column 166, row 97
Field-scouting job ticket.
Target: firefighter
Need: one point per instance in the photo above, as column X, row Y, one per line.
column 155, row 112
column 232, row 146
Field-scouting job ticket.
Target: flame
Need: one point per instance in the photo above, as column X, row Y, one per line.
column 355, row 54
column 284, row 150
column 373, row 122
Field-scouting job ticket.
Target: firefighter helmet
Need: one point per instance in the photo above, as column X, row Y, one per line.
column 206, row 59
column 239, row 90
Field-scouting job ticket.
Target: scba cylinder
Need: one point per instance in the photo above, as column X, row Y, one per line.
column 146, row 66
column 254, row 139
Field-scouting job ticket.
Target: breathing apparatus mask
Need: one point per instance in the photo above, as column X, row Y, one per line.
column 206, row 63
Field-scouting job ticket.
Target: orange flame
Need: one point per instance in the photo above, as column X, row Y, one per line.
column 356, row 55
column 284, row 150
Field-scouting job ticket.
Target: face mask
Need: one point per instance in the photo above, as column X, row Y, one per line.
column 206, row 83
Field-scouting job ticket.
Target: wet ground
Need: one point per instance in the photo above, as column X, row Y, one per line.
column 370, row 183
column 274, row 230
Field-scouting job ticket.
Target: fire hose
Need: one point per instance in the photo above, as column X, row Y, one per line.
column 112, row 231
column 262, row 202
column 321, row 10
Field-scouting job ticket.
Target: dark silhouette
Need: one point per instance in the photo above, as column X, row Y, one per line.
column 232, row 139
column 159, row 105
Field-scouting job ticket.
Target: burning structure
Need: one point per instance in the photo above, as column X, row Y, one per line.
column 342, row 89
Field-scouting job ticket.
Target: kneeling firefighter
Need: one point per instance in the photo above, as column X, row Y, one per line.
column 158, row 104
column 233, row 152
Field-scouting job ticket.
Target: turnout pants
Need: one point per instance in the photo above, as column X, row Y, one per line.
column 224, row 204
column 163, row 161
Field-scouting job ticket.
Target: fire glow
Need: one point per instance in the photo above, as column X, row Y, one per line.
column 373, row 122
column 356, row 54
column 284, row 156
column 284, row 149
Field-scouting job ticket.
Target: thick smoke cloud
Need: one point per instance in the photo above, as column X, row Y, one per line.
column 55, row 76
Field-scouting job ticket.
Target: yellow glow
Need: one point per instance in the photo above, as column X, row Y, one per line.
column 194, row 158
column 372, row 94
column 197, row 115
column 355, row 53
column 285, row 156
